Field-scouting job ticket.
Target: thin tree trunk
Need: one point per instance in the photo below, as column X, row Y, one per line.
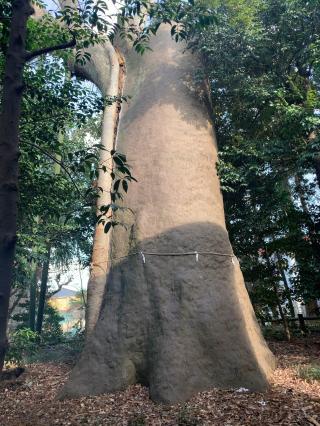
column 317, row 170
column 282, row 315
column 33, row 297
column 287, row 288
column 9, row 154
column 46, row 264
column 43, row 291
column 312, row 226
column 288, row 293
column 100, row 250
column 278, row 301
column 316, row 161
column 104, row 70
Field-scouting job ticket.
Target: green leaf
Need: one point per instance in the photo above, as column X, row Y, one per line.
column 116, row 185
column 107, row 227
column 125, row 185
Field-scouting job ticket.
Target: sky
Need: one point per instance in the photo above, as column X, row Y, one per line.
column 53, row 5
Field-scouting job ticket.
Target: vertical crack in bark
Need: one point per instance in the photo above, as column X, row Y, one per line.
column 121, row 81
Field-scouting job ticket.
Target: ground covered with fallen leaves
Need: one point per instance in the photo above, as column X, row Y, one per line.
column 31, row 399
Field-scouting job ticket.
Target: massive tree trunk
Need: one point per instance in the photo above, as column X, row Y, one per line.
column 177, row 321
column 9, row 153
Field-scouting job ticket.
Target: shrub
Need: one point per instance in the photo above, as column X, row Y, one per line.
column 309, row 372
column 274, row 333
column 22, row 343
column 51, row 330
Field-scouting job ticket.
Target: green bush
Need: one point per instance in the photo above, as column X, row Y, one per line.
column 51, row 330
column 274, row 333
column 22, row 343
column 77, row 338
column 309, row 372
column 64, row 349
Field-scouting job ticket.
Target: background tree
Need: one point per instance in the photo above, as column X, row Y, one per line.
column 261, row 63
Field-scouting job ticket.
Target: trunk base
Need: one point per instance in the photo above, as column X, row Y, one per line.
column 175, row 324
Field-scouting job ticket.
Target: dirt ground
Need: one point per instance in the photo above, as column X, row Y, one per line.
column 31, row 399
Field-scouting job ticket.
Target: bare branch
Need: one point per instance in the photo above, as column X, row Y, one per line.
column 15, row 303
column 52, row 293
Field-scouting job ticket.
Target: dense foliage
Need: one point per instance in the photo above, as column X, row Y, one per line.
column 261, row 63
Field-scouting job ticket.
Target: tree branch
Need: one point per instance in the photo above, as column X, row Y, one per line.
column 61, row 164
column 49, row 49
column 52, row 293
column 18, row 297
column 49, row 118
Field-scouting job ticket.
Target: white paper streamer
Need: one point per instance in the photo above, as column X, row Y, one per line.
column 143, row 257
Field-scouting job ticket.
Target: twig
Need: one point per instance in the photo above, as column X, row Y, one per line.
column 311, row 419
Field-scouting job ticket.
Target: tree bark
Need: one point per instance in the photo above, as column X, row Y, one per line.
column 9, row 154
column 43, row 291
column 173, row 320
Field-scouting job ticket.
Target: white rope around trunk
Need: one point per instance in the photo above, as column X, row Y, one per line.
column 143, row 255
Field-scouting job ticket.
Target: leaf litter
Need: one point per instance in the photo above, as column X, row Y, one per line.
column 31, row 399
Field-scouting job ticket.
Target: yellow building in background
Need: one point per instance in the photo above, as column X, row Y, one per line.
column 69, row 305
